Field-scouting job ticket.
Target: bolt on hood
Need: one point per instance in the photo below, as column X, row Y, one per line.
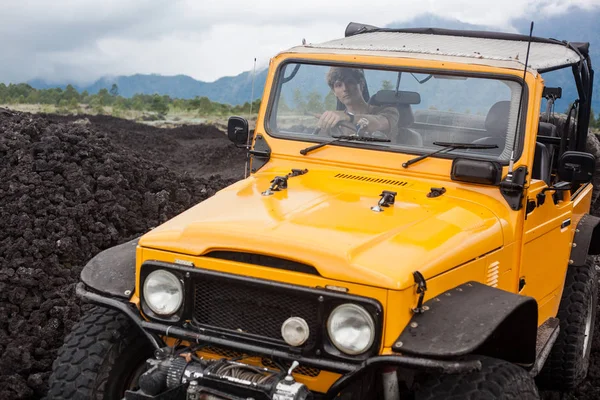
column 326, row 221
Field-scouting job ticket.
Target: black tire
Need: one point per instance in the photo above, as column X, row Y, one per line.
column 497, row 379
column 569, row 359
column 100, row 359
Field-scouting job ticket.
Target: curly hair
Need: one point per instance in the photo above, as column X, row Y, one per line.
column 344, row 74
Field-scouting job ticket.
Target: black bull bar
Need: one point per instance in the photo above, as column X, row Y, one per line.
column 350, row 372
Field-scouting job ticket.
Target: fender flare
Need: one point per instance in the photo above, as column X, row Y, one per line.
column 586, row 240
column 112, row 271
column 473, row 318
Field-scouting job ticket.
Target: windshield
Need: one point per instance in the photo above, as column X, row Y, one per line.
column 413, row 110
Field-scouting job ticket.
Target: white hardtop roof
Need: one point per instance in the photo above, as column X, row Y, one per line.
column 469, row 50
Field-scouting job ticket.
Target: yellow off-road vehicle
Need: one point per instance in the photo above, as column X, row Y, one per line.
column 415, row 225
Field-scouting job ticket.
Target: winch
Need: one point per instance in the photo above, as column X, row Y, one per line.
column 185, row 376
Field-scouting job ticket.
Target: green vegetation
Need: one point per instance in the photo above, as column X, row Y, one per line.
column 594, row 120
column 110, row 102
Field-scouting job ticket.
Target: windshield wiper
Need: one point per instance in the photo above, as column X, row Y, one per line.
column 340, row 138
column 448, row 147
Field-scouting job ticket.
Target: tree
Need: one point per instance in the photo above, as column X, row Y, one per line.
column 159, row 105
column 70, row 93
column 299, row 102
column 282, row 106
column 193, row 104
column 103, row 97
column 330, row 101
column 56, row 95
column 255, row 106
column 204, row 105
column 73, row 104
column 3, row 92
column 179, row 104
column 96, row 104
column 114, row 90
column 314, row 103
column 138, row 102
column 85, row 97
column 244, row 108
column 32, row 98
column 386, row 85
column 119, row 103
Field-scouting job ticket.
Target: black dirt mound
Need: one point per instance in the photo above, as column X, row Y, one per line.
column 69, row 191
column 196, row 150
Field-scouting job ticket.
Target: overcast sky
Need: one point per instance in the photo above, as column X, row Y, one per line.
column 81, row 40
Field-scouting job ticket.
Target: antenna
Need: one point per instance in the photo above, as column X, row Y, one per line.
column 250, row 130
column 252, row 94
column 509, row 176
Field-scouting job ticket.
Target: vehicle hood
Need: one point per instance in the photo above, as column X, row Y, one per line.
column 325, row 219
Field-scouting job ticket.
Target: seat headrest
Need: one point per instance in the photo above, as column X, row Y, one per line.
column 401, row 101
column 496, row 121
column 405, row 115
column 547, row 129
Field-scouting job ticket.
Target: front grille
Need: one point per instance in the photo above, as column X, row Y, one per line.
column 223, row 352
column 246, row 313
column 244, row 307
column 301, row 369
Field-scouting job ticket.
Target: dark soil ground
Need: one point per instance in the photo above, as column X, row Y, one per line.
column 71, row 187
column 196, row 150
column 70, row 190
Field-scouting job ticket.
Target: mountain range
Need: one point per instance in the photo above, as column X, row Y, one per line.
column 575, row 24
column 230, row 89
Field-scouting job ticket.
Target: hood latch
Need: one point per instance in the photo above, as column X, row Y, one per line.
column 387, row 199
column 280, row 182
column 421, row 289
column 436, row 192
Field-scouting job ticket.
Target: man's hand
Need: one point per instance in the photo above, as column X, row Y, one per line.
column 329, row 119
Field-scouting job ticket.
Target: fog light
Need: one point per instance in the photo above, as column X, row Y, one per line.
column 295, row 331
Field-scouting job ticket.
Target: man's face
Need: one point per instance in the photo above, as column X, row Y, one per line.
column 348, row 91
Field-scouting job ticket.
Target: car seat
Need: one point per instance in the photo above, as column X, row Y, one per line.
column 402, row 101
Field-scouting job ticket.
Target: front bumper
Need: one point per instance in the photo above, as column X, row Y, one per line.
column 349, row 371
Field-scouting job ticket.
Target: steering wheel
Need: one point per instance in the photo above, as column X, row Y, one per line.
column 336, row 129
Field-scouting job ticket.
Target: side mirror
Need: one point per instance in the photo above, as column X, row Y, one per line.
column 576, row 167
column 237, row 130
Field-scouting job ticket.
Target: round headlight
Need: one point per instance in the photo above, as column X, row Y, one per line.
column 351, row 329
column 163, row 292
column 295, row 331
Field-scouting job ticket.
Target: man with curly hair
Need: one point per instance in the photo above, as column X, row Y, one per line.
column 359, row 116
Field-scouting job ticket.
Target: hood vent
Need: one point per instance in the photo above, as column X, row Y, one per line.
column 493, row 273
column 263, row 261
column 372, row 180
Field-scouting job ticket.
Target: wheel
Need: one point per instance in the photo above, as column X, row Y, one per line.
column 101, row 358
column 497, row 379
column 569, row 359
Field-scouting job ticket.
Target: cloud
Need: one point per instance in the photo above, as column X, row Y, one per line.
column 82, row 40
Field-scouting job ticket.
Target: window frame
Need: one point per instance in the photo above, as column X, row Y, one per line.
column 276, row 93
